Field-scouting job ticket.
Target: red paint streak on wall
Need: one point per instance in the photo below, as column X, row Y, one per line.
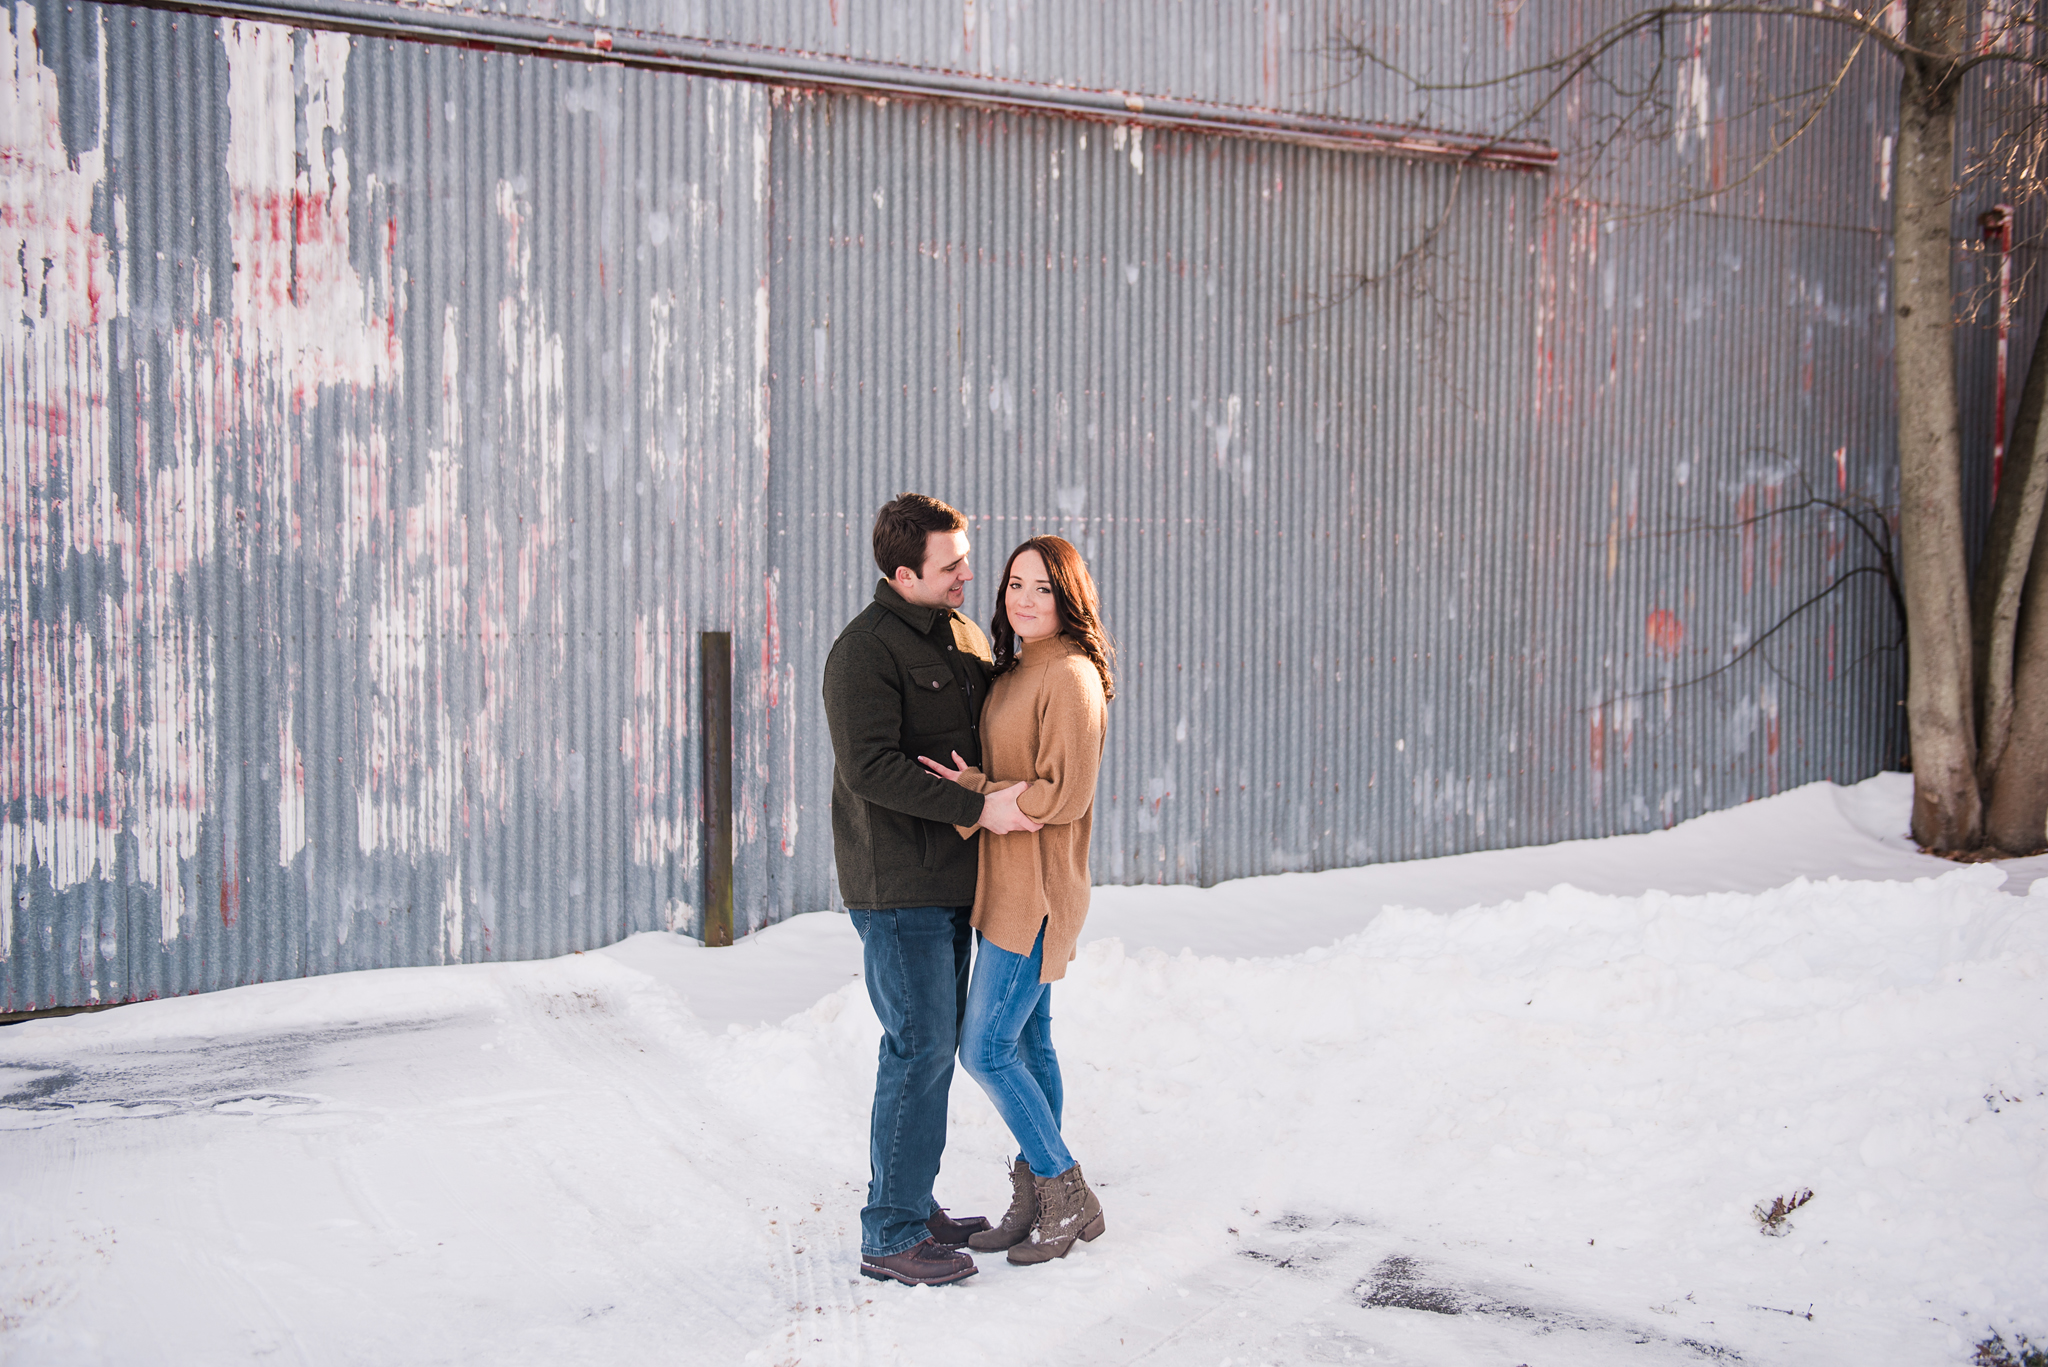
column 1546, row 314
column 1567, row 250
column 1665, row 632
column 771, row 648
column 1271, row 55
column 390, row 294
column 1596, row 753
column 1771, row 745
column 230, row 891
column 52, row 419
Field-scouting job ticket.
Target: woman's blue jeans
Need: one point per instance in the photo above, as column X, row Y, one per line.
column 1006, row 1046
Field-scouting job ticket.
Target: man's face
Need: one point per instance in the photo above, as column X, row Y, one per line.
column 946, row 575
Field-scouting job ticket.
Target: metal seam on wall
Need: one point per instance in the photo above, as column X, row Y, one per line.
column 732, row 61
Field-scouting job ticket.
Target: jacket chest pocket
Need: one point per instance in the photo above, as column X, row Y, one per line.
column 934, row 703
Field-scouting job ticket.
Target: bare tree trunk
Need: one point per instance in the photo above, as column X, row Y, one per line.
column 2017, row 819
column 2002, row 573
column 1947, row 811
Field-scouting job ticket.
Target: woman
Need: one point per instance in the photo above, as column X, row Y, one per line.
column 1043, row 724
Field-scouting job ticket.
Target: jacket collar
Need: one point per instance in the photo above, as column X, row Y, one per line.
column 920, row 619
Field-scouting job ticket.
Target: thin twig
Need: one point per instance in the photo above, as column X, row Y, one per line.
column 1754, row 646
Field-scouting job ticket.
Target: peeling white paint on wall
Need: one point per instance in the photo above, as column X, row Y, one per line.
column 761, row 375
column 1223, row 432
column 291, row 786
column 668, row 419
column 411, row 778
column 752, row 745
column 659, row 824
column 66, row 738
column 451, row 913
column 298, row 300
column 779, row 680
column 445, row 628
column 532, row 457
column 1694, row 96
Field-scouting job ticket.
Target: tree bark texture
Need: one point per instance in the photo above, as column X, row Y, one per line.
column 2002, row 573
column 1947, row 810
column 2017, row 819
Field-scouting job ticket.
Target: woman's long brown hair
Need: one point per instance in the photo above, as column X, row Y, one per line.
column 1073, row 593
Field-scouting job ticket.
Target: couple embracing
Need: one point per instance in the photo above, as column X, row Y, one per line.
column 963, row 787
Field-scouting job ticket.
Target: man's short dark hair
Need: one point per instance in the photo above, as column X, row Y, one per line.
column 902, row 529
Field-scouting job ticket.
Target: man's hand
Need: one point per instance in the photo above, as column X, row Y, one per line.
column 999, row 814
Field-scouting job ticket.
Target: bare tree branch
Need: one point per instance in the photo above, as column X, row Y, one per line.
column 1600, row 44
column 1825, row 94
column 1754, row 646
column 1880, row 544
column 1855, row 514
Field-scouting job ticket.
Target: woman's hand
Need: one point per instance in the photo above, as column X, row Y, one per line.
column 950, row 775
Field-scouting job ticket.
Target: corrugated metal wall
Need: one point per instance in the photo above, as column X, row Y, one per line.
column 1399, row 572
column 1266, row 55
column 382, row 424
column 385, row 420
column 1261, row 54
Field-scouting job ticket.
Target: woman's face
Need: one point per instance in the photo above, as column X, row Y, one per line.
column 1028, row 600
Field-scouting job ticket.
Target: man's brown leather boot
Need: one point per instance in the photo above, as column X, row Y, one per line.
column 924, row 1264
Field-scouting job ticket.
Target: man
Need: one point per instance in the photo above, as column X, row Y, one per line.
column 907, row 678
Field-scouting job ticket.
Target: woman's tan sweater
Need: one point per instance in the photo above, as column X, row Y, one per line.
column 1043, row 722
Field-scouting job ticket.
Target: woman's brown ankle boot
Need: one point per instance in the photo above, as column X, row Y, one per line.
column 1017, row 1220
column 1067, row 1211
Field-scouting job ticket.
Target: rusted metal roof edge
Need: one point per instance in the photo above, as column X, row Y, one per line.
column 731, row 61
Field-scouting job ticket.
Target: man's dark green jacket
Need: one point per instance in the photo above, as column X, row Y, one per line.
column 904, row 681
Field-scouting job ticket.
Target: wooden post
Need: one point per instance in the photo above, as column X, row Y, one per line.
column 714, row 652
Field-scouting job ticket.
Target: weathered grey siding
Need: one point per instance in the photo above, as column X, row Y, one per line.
column 382, row 423
column 384, row 419
column 1398, row 572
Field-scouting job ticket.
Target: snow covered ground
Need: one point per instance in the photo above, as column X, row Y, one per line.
column 1445, row 1112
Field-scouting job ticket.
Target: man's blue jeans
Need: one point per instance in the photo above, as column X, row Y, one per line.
column 916, row 961
column 1006, row 1046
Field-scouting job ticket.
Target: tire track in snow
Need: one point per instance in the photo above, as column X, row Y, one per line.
column 650, row 1102
column 827, row 1313
column 730, row 1084
column 675, row 1082
column 231, row 1269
